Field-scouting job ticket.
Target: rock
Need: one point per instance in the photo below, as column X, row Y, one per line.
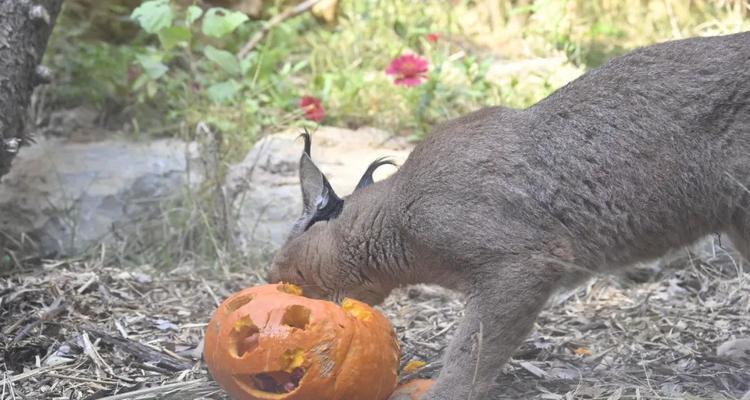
column 263, row 190
column 74, row 124
column 67, row 196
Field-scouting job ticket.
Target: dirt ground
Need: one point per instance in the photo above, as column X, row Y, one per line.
column 85, row 329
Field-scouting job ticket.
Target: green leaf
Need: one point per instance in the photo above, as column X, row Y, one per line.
column 299, row 66
column 152, row 66
column 328, row 82
column 174, row 35
column 285, row 69
column 400, row 29
column 193, row 13
column 151, row 89
column 224, row 91
column 226, row 60
column 247, row 62
column 153, row 15
column 251, row 106
column 142, row 80
column 219, row 22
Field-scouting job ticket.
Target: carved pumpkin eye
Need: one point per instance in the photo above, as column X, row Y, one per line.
column 271, row 342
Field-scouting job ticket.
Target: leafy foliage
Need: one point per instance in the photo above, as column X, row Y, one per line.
column 219, row 22
column 154, row 15
column 182, row 67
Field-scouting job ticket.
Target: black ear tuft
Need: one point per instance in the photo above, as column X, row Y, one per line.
column 308, row 142
column 366, row 179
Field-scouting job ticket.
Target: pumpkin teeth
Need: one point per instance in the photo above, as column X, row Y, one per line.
column 293, row 359
column 290, row 288
column 356, row 309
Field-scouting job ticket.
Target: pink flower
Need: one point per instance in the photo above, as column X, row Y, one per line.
column 409, row 70
column 433, row 37
column 313, row 108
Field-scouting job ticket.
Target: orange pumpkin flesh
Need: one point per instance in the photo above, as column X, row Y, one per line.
column 412, row 390
column 271, row 343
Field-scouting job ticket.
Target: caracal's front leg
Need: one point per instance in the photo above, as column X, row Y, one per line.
column 501, row 309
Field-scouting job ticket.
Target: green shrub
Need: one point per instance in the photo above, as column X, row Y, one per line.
column 183, row 68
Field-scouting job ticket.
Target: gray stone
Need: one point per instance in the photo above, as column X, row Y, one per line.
column 263, row 190
column 67, row 196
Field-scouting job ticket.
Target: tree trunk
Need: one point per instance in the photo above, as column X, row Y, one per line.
column 25, row 26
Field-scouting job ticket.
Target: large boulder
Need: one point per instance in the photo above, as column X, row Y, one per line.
column 66, row 196
column 264, row 192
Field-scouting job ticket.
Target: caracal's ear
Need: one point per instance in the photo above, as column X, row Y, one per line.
column 319, row 201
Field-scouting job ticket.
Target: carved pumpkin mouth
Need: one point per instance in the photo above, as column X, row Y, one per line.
column 271, row 385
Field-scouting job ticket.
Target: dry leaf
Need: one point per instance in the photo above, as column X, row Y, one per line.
column 583, row 351
column 327, row 10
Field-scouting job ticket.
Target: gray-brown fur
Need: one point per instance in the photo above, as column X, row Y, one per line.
column 648, row 153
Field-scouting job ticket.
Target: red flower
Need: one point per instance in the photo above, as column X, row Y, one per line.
column 313, row 108
column 409, row 69
column 433, row 37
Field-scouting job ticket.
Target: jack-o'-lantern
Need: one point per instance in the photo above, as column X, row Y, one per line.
column 271, row 342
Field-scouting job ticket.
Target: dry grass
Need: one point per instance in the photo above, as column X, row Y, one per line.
column 85, row 329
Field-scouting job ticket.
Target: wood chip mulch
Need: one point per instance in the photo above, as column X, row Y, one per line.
column 87, row 330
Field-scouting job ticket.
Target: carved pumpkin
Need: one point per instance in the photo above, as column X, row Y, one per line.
column 270, row 342
column 412, row 390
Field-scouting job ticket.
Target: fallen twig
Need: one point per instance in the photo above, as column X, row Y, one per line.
column 9, row 379
column 57, row 307
column 142, row 352
column 152, row 391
